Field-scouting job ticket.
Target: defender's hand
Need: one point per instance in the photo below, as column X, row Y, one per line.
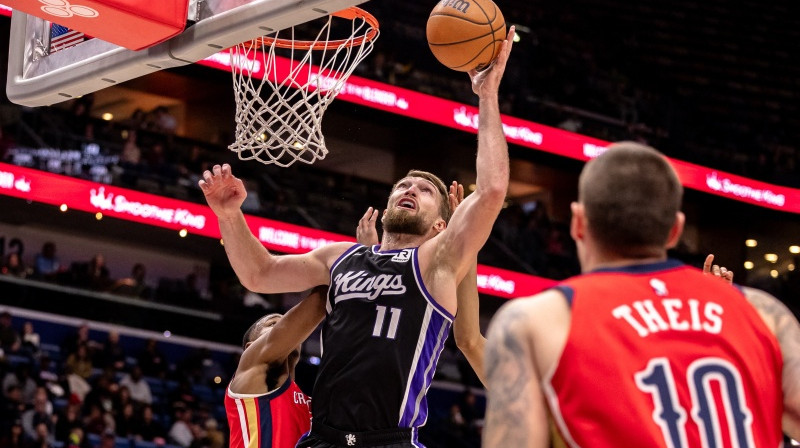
column 716, row 270
column 366, row 233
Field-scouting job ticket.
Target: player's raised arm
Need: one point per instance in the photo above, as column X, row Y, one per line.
column 257, row 269
column 472, row 222
column 784, row 325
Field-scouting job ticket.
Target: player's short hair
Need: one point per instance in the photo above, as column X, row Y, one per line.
column 444, row 207
column 255, row 330
column 630, row 195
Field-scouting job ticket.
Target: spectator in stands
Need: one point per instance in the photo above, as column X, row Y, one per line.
column 184, row 395
column 97, row 421
column 77, row 385
column 30, row 339
column 183, row 432
column 112, row 355
column 163, row 121
column 80, row 363
column 152, row 360
column 213, row 438
column 104, row 391
column 13, row 265
column 66, row 420
column 10, row 341
column 92, row 275
column 49, row 377
column 134, row 285
column 43, row 436
column 11, row 407
column 21, row 377
column 77, row 438
column 108, row 439
column 147, row 428
column 121, row 399
column 139, row 388
column 14, row 437
column 125, row 421
column 81, row 336
column 47, row 266
column 39, row 414
column 136, row 120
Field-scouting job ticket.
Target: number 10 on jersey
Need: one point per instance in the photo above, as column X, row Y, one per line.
column 657, row 381
column 394, row 319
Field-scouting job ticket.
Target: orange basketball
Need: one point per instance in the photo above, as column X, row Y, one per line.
column 466, row 34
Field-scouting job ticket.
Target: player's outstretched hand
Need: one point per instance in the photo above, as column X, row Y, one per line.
column 366, row 233
column 224, row 192
column 456, row 195
column 487, row 81
column 717, row 271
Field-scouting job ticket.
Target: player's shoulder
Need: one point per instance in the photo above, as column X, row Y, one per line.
column 532, row 310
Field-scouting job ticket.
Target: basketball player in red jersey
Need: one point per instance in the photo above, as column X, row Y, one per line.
column 640, row 350
column 265, row 407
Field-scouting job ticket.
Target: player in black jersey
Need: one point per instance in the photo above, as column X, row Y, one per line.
column 389, row 307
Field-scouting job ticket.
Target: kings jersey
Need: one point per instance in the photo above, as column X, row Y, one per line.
column 381, row 341
column 273, row 420
column 661, row 355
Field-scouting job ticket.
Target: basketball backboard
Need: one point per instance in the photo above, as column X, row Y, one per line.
column 37, row 77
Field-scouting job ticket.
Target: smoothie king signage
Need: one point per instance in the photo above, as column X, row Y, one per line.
column 144, row 208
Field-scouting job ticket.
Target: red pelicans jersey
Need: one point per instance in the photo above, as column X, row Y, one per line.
column 660, row 355
column 273, row 420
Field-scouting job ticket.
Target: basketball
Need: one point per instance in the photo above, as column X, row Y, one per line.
column 466, row 34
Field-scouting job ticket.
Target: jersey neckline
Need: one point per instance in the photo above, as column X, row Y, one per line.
column 644, row 268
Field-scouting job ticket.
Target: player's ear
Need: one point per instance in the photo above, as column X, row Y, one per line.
column 676, row 231
column 577, row 224
column 440, row 225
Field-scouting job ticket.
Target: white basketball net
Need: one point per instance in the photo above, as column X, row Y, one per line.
column 279, row 116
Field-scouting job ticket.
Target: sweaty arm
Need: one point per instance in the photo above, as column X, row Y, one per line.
column 472, row 221
column 466, row 327
column 257, row 269
column 516, row 412
column 787, row 330
column 276, row 345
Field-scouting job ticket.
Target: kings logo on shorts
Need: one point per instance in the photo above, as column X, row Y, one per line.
column 362, row 285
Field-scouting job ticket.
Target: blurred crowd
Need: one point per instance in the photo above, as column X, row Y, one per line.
column 94, row 275
column 86, row 393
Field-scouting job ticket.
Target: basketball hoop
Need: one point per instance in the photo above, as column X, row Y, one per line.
column 280, row 101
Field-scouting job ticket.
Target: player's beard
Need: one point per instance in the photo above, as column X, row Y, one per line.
column 400, row 221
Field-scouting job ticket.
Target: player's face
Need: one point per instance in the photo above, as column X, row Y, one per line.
column 267, row 328
column 413, row 206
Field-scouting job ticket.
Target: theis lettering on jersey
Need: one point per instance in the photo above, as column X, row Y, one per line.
column 652, row 316
column 362, row 285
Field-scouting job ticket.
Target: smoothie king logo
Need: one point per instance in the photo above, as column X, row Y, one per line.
column 120, row 204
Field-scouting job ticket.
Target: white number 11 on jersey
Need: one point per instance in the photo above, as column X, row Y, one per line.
column 394, row 320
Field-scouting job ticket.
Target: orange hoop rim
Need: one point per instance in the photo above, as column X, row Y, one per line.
column 351, row 13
